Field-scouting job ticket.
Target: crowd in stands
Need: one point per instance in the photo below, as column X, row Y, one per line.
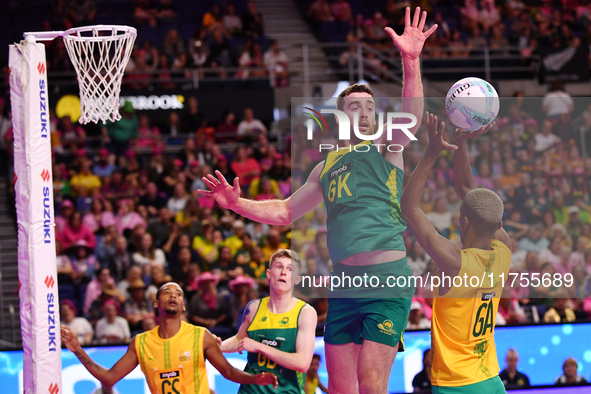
column 516, row 28
column 178, row 41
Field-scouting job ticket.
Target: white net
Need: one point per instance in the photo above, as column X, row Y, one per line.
column 100, row 55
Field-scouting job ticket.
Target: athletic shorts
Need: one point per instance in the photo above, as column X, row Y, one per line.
column 490, row 386
column 379, row 319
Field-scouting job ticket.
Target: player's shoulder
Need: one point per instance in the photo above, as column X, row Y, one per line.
column 251, row 308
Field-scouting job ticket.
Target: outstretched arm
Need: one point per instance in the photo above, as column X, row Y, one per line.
column 301, row 359
column 278, row 212
column 410, row 44
column 446, row 255
column 463, row 178
column 216, row 358
column 108, row 377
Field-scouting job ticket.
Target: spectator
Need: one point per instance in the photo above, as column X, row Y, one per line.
column 510, row 376
column 61, row 220
column 147, row 134
column 249, row 125
column 84, row 263
column 559, row 312
column 417, row 259
column 319, row 12
column 98, row 219
column 234, row 242
column 545, row 140
column 192, row 118
column 208, row 307
column 161, row 228
column 103, row 168
column 232, row 22
column 416, row 319
column 127, row 219
column 212, row 19
column 422, row 381
column 440, row 217
column 102, row 283
column 341, row 11
column 557, row 104
column 120, row 261
column 551, row 254
column 240, row 288
column 152, row 200
column 166, row 12
column 112, row 329
column 246, row 168
column 119, row 134
column 534, row 242
column 145, row 13
column 276, row 63
column 313, row 383
column 79, row 325
column 180, row 272
column 178, row 200
column 85, row 182
column 570, row 376
column 117, row 187
column 133, row 274
column 148, row 255
column 273, row 244
column 252, row 21
column 76, row 231
column 207, row 244
column 137, row 307
column 582, row 283
column 173, row 45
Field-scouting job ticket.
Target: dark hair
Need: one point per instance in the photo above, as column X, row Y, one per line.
column 355, row 88
column 316, row 357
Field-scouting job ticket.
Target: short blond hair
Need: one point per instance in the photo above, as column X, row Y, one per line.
column 295, row 258
column 485, row 207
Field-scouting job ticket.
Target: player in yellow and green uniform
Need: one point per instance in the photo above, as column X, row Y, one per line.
column 278, row 331
column 361, row 191
column 172, row 355
column 463, row 322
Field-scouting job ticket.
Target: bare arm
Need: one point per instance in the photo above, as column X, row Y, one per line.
column 410, row 44
column 274, row 212
column 108, row 377
column 213, row 353
column 446, row 255
column 230, row 345
column 301, row 359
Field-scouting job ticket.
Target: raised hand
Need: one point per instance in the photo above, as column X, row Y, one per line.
column 225, row 195
column 436, row 141
column 70, row 339
column 461, row 134
column 410, row 43
column 265, row 378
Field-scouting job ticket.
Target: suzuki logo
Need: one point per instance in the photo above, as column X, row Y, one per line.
column 41, row 68
column 49, row 282
column 45, row 175
column 53, row 389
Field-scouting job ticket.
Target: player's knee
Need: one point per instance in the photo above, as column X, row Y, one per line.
column 342, row 386
column 370, row 382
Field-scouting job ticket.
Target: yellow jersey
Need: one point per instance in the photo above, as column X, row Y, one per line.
column 175, row 365
column 463, row 322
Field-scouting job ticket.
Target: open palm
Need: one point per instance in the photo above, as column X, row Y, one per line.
column 410, row 43
column 225, row 195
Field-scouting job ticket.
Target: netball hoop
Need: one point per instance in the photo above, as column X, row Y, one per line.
column 99, row 54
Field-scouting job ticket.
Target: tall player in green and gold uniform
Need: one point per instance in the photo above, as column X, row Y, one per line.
column 172, row 355
column 463, row 323
column 361, row 191
column 278, row 331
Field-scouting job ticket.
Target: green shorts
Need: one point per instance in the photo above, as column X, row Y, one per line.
column 490, row 386
column 379, row 319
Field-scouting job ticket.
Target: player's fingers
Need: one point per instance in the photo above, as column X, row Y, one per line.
column 430, row 31
column 221, row 178
column 213, row 179
column 423, row 21
column 236, row 184
column 392, row 33
column 415, row 19
column 442, row 128
column 204, row 192
column 209, row 183
column 449, row 146
column 407, row 17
